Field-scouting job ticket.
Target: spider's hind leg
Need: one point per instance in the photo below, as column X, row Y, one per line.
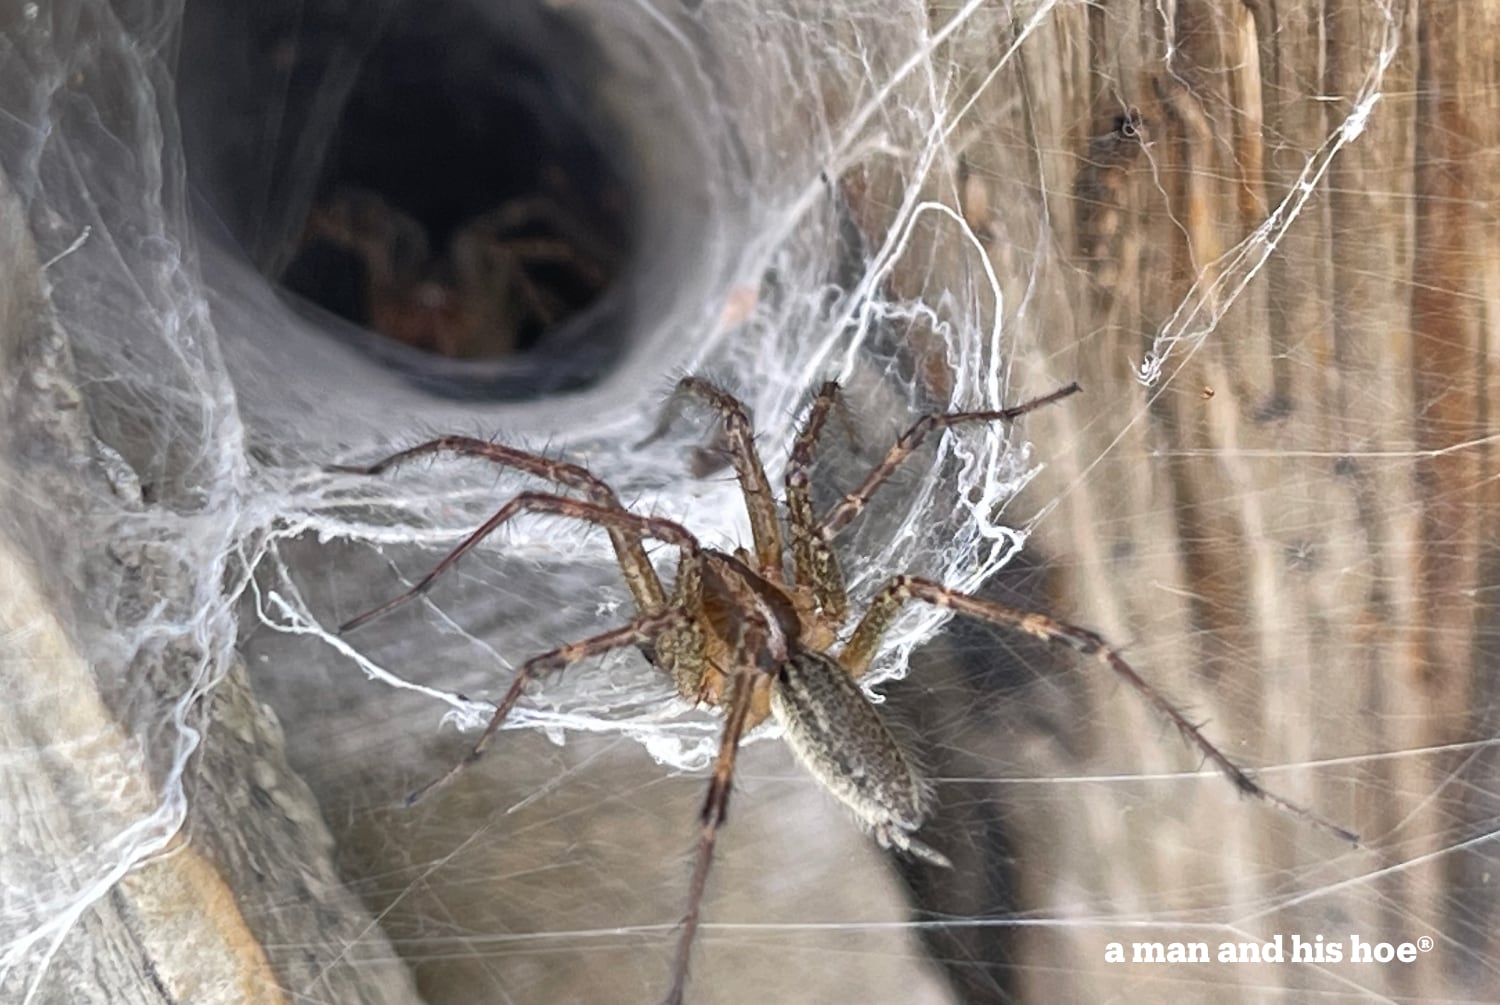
column 882, row 611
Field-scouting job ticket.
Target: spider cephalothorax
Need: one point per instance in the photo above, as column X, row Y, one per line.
column 757, row 632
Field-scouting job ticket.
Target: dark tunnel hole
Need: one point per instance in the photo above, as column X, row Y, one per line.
column 441, row 174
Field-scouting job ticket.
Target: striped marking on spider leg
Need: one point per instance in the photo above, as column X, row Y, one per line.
column 854, row 503
column 562, row 472
column 680, row 652
column 642, row 629
column 761, row 504
column 1088, row 643
column 546, row 504
column 645, row 586
column 813, row 561
column 711, row 817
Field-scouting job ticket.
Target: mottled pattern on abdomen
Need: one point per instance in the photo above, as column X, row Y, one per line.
column 839, row 737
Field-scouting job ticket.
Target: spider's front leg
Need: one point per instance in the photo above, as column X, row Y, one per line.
column 865, row 641
column 765, row 530
column 814, row 562
column 645, row 586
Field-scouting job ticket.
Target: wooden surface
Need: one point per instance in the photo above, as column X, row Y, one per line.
column 1292, row 533
column 149, row 899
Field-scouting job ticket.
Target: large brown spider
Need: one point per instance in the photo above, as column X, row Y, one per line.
column 743, row 632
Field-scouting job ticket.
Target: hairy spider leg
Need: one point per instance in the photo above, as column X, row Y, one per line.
column 715, row 810
column 765, row 529
column 641, row 578
column 854, row 503
column 865, row 641
column 761, row 644
column 814, row 563
column 643, row 629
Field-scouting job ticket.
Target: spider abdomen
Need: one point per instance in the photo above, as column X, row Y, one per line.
column 840, row 739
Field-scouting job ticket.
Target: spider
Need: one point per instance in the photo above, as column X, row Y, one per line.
column 504, row 276
column 757, row 635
